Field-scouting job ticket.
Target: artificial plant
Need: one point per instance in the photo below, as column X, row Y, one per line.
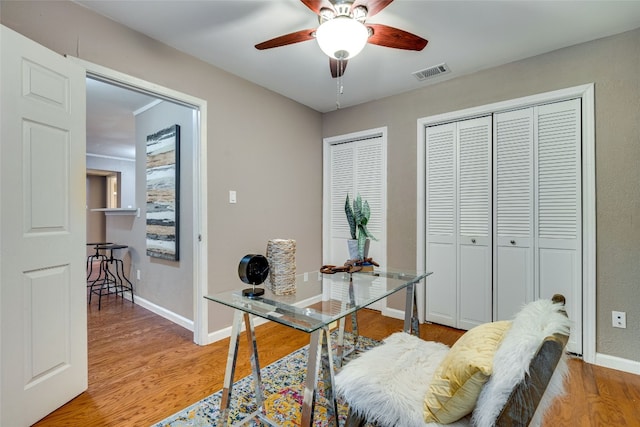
column 358, row 217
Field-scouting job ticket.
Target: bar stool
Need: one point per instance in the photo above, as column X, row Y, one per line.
column 112, row 279
column 97, row 256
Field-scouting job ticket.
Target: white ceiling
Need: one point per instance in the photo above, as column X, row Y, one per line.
column 110, row 119
column 467, row 35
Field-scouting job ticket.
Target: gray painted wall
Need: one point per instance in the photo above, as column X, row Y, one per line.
column 613, row 64
column 127, row 169
column 166, row 283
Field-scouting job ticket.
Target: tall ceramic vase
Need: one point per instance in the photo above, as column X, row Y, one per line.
column 352, row 244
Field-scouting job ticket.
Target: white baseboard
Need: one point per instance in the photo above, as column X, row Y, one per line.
column 394, row 313
column 163, row 312
column 257, row 321
column 618, row 363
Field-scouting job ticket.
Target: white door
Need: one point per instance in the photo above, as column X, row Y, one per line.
column 474, row 222
column 441, row 220
column 42, row 277
column 356, row 167
column 513, row 200
column 559, row 208
column 458, row 223
column 355, row 164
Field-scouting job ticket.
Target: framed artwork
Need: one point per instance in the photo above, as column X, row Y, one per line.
column 163, row 201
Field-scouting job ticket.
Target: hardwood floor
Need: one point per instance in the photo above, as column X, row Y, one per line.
column 143, row 368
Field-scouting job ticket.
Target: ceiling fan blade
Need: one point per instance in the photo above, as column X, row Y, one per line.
column 383, row 35
column 316, row 5
column 373, row 6
column 337, row 67
column 298, row 36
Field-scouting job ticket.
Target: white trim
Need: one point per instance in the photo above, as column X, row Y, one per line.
column 201, row 248
column 512, row 104
column 421, row 219
column 147, row 107
column 588, row 225
column 586, row 93
column 618, row 363
column 124, row 159
column 200, row 262
column 163, row 312
column 394, row 313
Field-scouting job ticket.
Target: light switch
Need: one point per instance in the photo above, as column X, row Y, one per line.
column 232, row 196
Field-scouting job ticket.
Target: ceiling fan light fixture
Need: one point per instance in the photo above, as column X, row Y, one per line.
column 342, row 37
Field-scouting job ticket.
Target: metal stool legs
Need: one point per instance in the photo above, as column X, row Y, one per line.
column 111, row 279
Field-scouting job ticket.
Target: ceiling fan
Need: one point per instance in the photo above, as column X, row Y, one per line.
column 343, row 33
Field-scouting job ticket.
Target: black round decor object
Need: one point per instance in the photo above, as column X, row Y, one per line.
column 253, row 269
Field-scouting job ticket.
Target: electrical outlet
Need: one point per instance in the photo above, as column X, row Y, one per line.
column 138, row 274
column 619, row 319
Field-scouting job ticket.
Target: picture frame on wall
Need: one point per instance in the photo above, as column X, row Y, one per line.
column 163, row 191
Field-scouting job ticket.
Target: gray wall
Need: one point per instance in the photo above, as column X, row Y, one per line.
column 613, row 64
column 166, row 283
column 266, row 147
column 127, row 169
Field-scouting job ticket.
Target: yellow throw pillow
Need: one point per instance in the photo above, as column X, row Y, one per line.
column 458, row 380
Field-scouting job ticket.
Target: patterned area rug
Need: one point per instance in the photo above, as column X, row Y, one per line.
column 283, row 383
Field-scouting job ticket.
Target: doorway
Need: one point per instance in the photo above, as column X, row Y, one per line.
column 132, row 197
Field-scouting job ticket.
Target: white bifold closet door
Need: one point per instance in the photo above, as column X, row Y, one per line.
column 357, row 167
column 538, row 226
column 514, row 222
column 458, row 215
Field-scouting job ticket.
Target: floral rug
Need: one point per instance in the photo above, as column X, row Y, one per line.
column 283, row 382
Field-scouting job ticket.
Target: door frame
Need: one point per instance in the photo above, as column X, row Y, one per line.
column 327, row 142
column 199, row 171
column 586, row 93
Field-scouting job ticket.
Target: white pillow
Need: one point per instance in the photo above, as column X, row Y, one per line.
column 532, row 324
column 388, row 383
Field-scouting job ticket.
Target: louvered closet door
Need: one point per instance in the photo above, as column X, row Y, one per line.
column 559, row 225
column 357, row 167
column 474, row 222
column 342, row 182
column 513, row 212
column 370, row 183
column 441, row 219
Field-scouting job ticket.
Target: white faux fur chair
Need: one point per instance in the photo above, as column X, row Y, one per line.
column 497, row 374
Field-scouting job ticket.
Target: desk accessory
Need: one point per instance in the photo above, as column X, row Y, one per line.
column 253, row 269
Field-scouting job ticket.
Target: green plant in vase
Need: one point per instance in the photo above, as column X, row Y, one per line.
column 358, row 217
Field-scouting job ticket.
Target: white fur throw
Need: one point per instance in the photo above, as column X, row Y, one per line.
column 531, row 325
column 387, row 384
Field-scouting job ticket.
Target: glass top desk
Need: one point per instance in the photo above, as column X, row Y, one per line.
column 333, row 297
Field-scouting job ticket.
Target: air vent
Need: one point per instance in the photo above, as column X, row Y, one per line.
column 436, row 70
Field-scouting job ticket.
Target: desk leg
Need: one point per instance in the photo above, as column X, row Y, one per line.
column 255, row 363
column 328, row 371
column 231, row 367
column 411, row 325
column 320, row 357
column 311, row 381
column 354, row 315
column 340, row 354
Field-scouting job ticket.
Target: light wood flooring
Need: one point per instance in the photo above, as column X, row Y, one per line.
column 143, row 368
